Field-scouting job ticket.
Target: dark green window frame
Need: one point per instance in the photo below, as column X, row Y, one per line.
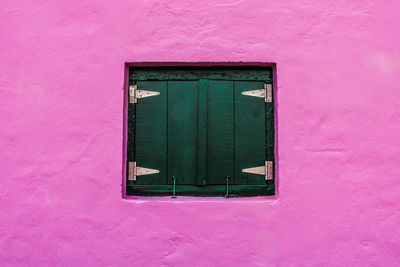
column 199, row 132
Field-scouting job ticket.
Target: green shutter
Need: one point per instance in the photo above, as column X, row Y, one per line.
column 220, row 132
column 182, row 130
column 151, row 128
column 200, row 131
column 249, row 133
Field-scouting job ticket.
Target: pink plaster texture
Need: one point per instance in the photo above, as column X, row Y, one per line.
column 338, row 133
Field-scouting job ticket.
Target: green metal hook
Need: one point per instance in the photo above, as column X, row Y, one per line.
column 227, row 187
column 174, row 188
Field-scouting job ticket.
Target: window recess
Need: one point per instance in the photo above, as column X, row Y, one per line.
column 200, row 132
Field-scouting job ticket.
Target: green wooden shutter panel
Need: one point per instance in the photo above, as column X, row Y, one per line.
column 249, row 133
column 182, row 130
column 220, row 134
column 151, row 126
column 200, row 131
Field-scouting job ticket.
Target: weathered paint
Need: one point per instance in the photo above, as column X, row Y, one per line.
column 338, row 117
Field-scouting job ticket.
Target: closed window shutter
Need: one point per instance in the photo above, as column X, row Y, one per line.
column 220, row 132
column 182, row 131
column 199, row 131
column 249, row 133
column 150, row 130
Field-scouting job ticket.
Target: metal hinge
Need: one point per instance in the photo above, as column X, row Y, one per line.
column 265, row 93
column 134, row 171
column 135, row 94
column 267, row 170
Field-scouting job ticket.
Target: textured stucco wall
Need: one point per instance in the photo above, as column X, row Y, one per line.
column 61, row 115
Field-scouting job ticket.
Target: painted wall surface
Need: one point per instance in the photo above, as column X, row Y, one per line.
column 338, row 133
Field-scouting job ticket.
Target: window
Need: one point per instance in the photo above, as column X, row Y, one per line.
column 200, row 131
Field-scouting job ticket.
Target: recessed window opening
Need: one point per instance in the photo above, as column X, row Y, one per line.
column 200, row 131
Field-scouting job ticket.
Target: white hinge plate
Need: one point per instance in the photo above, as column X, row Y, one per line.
column 255, row 93
column 266, row 170
column 137, row 171
column 135, row 94
column 131, row 171
column 265, row 93
column 270, row 170
column 268, row 89
column 132, row 89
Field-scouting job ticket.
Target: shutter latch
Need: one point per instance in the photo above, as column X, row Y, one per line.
column 266, row 170
column 265, row 93
column 134, row 171
column 135, row 94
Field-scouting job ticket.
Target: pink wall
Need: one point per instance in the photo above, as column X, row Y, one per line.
column 338, row 102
